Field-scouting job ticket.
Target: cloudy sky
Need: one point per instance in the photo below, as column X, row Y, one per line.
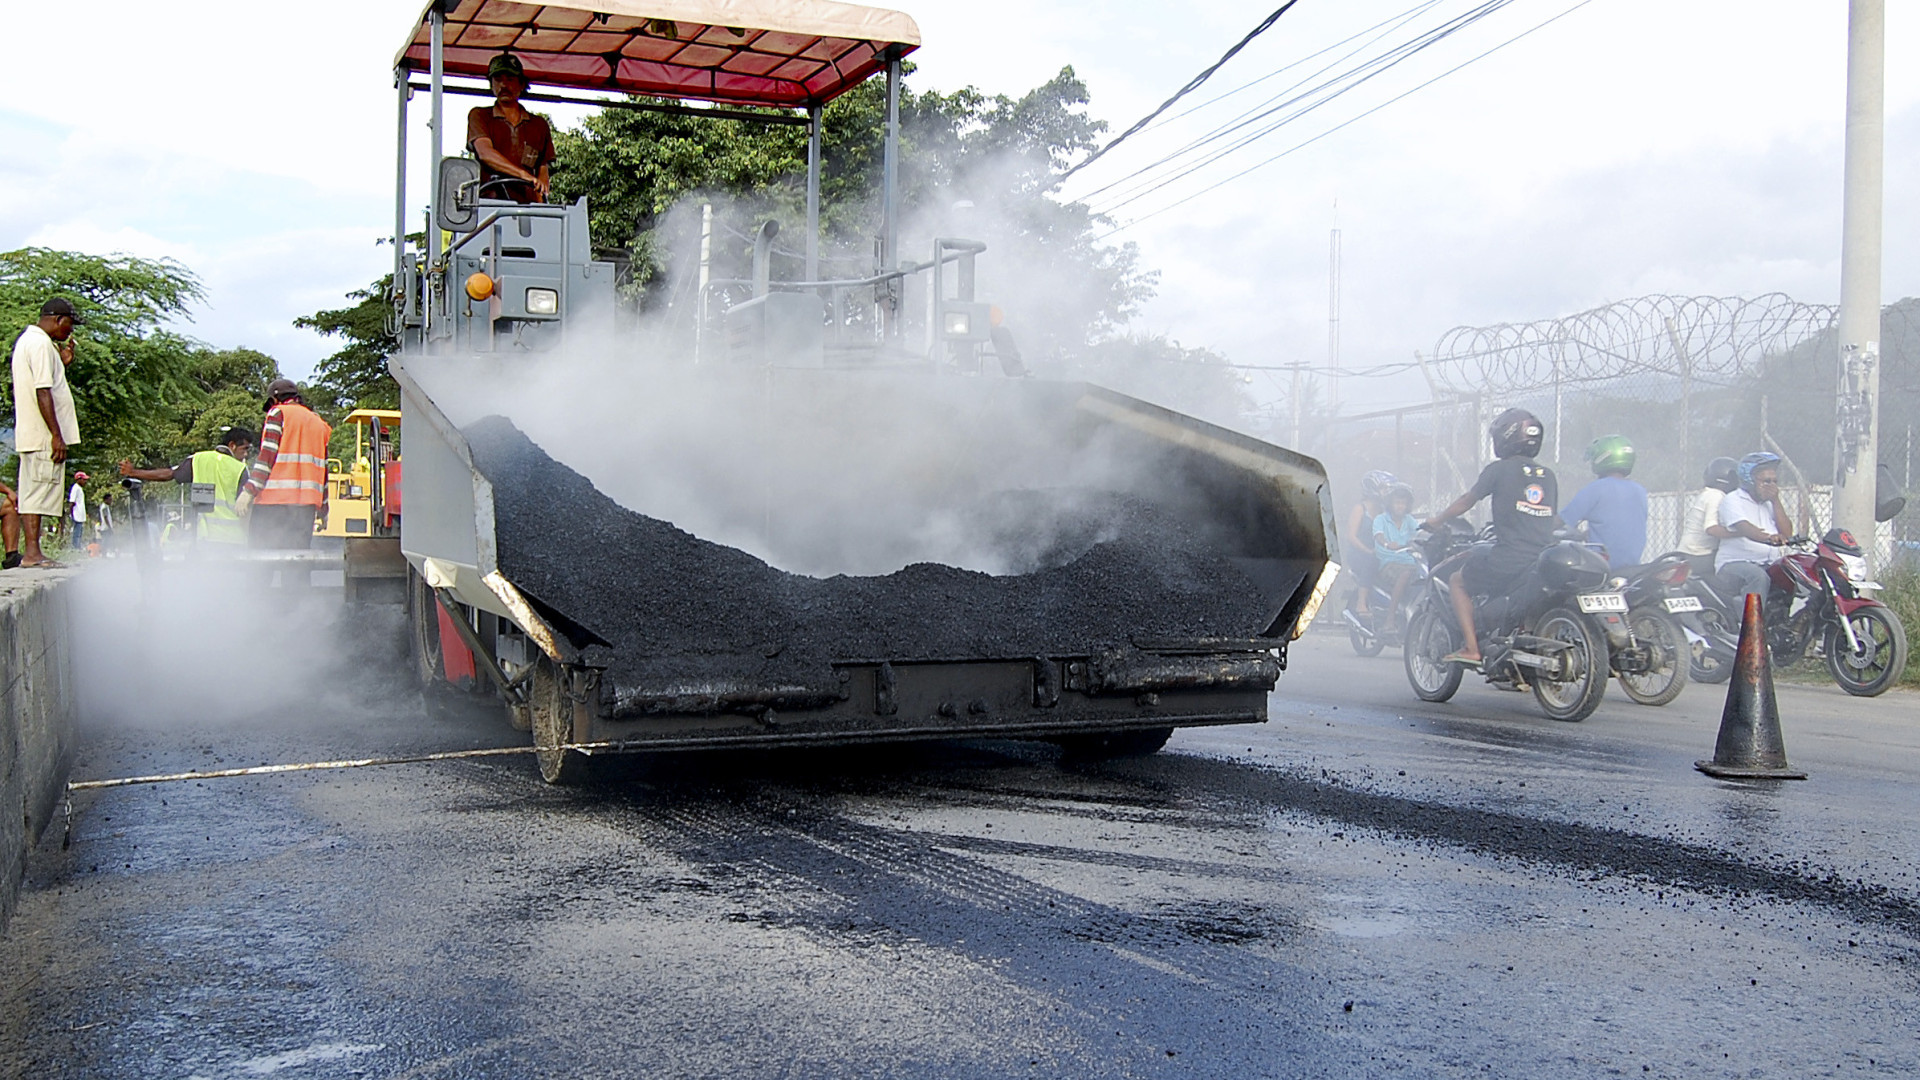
column 1631, row 146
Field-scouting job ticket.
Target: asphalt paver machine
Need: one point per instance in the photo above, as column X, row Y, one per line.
column 575, row 633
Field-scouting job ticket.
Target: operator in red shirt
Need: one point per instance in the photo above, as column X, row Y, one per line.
column 515, row 147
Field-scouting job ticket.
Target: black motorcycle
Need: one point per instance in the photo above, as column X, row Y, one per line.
column 1551, row 634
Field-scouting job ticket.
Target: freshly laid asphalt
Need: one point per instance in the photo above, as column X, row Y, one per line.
column 1364, row 886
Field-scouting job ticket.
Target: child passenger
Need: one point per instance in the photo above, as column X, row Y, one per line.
column 1393, row 541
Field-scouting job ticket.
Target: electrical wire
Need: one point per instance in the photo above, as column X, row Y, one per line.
column 1308, row 142
column 1261, row 111
column 1216, row 99
column 1192, row 85
column 1322, row 94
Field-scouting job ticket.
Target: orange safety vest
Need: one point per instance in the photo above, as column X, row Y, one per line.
column 299, row 476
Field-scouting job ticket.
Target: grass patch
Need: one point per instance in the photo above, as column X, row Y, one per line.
column 1902, row 594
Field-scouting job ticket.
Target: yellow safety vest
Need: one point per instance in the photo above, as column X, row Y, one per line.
column 222, row 524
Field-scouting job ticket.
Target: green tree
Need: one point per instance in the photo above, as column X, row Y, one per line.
column 126, row 366
column 998, row 153
column 356, row 376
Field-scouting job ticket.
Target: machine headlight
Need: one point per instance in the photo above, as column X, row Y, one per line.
column 543, row 302
column 959, row 324
column 1854, row 566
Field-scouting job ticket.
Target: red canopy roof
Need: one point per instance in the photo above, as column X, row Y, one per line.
column 782, row 53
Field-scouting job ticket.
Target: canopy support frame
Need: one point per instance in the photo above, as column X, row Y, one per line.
column 890, row 198
column 400, row 191
column 815, row 113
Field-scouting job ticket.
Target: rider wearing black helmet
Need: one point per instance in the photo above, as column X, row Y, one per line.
column 1526, row 497
column 1700, row 536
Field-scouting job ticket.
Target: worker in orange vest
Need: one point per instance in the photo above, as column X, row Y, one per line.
column 286, row 490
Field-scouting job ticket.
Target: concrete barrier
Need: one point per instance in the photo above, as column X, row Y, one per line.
column 36, row 714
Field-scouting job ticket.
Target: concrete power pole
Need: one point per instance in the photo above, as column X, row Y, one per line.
column 1859, row 391
column 1333, row 320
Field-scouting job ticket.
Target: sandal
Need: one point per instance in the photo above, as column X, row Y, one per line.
column 1464, row 661
column 43, row 564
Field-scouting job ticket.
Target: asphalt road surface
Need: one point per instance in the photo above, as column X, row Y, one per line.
column 1365, row 886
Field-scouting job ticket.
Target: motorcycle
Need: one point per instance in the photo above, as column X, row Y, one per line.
column 1384, row 624
column 1551, row 634
column 1653, row 667
column 1816, row 606
column 1823, row 586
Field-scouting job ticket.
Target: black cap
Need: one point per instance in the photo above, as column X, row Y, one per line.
column 60, row 305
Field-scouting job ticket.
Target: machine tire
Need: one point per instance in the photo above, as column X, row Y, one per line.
column 1880, row 665
column 552, row 712
column 423, row 633
column 1430, row 636
column 1573, row 700
column 1107, row 745
column 1667, row 642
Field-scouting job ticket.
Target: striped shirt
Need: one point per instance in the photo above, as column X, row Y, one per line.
column 269, row 453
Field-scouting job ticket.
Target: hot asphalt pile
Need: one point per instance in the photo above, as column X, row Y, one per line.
column 680, row 611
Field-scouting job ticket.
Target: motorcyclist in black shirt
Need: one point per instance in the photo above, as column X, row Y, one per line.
column 1526, row 502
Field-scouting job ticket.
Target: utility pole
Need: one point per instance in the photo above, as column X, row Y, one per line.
column 1333, row 320
column 1856, row 452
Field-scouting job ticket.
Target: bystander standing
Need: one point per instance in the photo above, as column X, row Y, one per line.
column 9, row 528
column 43, row 420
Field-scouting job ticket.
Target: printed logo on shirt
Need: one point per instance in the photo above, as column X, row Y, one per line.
column 1533, row 506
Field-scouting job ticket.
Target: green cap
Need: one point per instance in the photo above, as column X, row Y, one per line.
column 506, row 64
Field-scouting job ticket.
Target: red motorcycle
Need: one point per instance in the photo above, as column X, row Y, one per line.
column 1818, row 604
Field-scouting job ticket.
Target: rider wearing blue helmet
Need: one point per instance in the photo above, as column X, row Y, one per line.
column 1751, row 515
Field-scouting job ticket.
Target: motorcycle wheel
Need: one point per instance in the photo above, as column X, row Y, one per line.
column 1882, row 658
column 1430, row 636
column 1365, row 644
column 1668, row 659
column 1704, row 667
column 1575, row 697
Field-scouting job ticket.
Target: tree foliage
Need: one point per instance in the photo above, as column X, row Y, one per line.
column 356, row 376
column 1064, row 290
column 126, row 366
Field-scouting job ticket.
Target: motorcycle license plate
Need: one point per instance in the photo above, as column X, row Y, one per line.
column 1602, row 601
column 1677, row 604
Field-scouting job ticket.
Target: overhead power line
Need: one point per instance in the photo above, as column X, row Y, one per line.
column 1314, row 97
column 1192, row 85
column 1346, row 123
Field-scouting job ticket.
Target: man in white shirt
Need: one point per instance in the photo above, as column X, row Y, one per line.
column 77, row 514
column 1747, row 514
column 43, row 420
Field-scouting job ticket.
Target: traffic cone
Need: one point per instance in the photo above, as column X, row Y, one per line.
column 1750, row 747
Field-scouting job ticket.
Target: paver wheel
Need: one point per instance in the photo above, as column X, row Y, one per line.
column 553, row 704
column 1115, row 744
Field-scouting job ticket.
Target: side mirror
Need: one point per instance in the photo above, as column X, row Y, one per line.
column 458, row 179
column 1888, row 499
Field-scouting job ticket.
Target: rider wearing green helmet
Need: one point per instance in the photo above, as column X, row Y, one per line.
column 1614, row 507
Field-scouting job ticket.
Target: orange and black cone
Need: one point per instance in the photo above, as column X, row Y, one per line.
column 1750, row 747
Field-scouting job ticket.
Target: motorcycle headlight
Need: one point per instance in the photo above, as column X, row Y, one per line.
column 1854, row 566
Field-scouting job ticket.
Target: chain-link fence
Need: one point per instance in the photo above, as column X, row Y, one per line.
column 1686, row 379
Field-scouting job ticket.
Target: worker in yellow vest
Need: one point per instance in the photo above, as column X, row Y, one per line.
column 216, row 473
column 286, row 490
